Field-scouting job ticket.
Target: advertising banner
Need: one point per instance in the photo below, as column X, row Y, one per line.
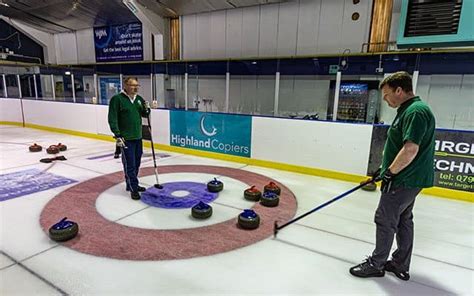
column 221, row 133
column 119, row 43
column 454, row 160
column 454, row 157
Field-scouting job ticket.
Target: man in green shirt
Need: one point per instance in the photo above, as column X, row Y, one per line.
column 407, row 167
column 126, row 110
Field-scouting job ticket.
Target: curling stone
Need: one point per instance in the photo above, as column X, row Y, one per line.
column 269, row 199
column 272, row 187
column 201, row 211
column 248, row 219
column 369, row 187
column 252, row 194
column 63, row 230
column 61, row 147
column 53, row 149
column 35, row 148
column 215, row 185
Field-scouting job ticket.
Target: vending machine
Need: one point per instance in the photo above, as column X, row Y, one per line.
column 358, row 101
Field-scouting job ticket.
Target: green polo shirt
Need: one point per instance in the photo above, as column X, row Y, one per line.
column 414, row 122
column 125, row 118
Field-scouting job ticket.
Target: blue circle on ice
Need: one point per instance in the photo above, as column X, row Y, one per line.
column 164, row 198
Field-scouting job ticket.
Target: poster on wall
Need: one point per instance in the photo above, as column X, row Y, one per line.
column 454, row 157
column 119, row 43
column 221, row 133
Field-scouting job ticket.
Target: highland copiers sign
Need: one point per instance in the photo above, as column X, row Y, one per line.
column 228, row 134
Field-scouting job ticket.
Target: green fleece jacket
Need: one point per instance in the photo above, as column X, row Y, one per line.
column 125, row 118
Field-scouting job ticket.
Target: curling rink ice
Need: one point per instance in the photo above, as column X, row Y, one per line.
column 309, row 257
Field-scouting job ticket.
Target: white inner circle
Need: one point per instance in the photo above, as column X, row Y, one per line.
column 180, row 193
column 115, row 204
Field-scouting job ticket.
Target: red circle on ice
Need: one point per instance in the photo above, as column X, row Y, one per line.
column 101, row 237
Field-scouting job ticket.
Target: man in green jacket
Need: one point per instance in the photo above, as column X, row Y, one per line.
column 407, row 167
column 126, row 110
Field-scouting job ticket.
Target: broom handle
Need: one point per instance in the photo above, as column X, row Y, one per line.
column 151, row 141
column 325, row 204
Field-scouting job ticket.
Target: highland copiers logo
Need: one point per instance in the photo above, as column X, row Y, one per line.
column 203, row 128
column 229, row 134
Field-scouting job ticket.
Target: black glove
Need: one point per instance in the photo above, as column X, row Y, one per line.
column 387, row 180
column 376, row 175
column 146, row 108
column 120, row 142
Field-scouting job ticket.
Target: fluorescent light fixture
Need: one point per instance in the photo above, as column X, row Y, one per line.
column 67, row 73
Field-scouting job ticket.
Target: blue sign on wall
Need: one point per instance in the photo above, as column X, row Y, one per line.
column 228, row 134
column 29, row 181
column 119, row 43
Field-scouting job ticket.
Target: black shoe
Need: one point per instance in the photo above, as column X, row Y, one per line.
column 135, row 195
column 391, row 267
column 116, row 155
column 139, row 189
column 366, row 269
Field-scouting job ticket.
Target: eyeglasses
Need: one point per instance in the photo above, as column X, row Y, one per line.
column 134, row 85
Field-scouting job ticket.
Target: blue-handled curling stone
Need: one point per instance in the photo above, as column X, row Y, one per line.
column 248, row 219
column 201, row 211
column 63, row 230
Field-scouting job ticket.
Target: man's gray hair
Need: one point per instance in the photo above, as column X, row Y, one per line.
column 128, row 78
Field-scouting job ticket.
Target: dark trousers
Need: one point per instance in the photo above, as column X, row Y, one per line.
column 131, row 159
column 394, row 215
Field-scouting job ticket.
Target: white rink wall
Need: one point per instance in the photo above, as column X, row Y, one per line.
column 10, row 110
column 77, row 117
column 331, row 146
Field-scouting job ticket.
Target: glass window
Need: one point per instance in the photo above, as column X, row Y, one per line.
column 206, row 86
column 252, row 87
column 13, row 90
column 169, row 85
column 160, row 90
column 145, row 87
column 252, row 94
column 209, row 95
column 194, row 100
column 304, row 96
column 305, row 88
column 45, row 92
column 108, row 87
column 84, row 88
column 27, row 86
column 451, row 98
column 174, row 92
column 63, row 88
column 2, row 87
